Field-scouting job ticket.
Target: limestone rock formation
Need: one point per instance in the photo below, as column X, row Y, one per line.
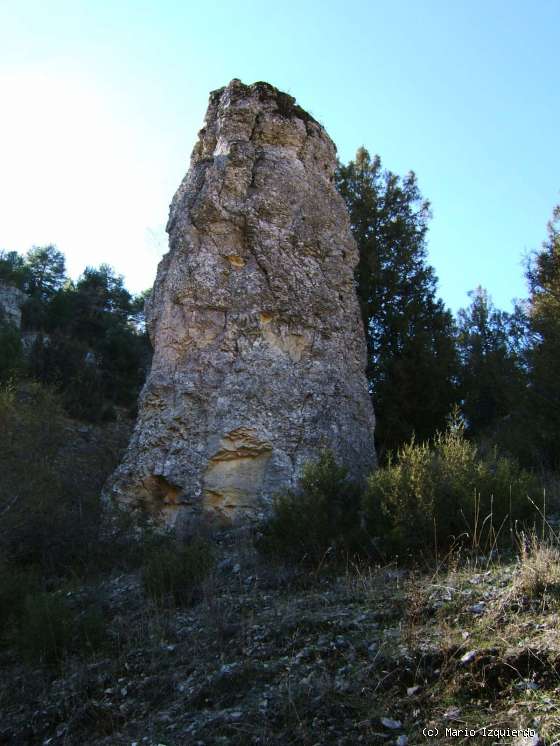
column 259, row 350
column 11, row 301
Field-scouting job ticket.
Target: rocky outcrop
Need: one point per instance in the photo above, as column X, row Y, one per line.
column 11, row 301
column 259, row 349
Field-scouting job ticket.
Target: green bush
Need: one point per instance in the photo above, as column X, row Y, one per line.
column 321, row 520
column 40, row 526
column 60, row 361
column 175, row 573
column 446, row 491
column 50, row 629
column 11, row 355
column 45, row 630
column 49, row 492
column 15, row 585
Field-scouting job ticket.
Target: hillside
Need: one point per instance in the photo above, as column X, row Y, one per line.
column 270, row 655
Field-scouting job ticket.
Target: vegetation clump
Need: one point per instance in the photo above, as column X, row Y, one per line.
column 51, row 511
column 435, row 494
column 49, row 629
column 431, row 497
column 85, row 338
column 537, row 577
column 15, row 585
column 11, row 353
column 320, row 520
column 174, row 573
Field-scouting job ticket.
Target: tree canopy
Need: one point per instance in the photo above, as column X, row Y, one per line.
column 89, row 336
column 543, row 275
column 492, row 374
column 412, row 362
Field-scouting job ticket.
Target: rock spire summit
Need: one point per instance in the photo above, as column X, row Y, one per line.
column 259, row 349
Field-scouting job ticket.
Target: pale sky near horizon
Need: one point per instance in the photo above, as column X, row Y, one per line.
column 102, row 101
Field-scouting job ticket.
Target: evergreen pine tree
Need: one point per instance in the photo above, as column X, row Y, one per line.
column 412, row 359
column 492, row 374
column 543, row 274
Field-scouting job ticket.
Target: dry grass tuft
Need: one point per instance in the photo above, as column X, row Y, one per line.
column 538, row 577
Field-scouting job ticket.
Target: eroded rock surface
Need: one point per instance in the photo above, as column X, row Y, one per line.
column 259, row 349
column 11, row 301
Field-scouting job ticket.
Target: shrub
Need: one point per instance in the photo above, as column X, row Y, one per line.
column 50, row 629
column 438, row 493
column 322, row 518
column 11, row 355
column 30, row 434
column 538, row 574
column 49, row 491
column 61, row 361
column 15, row 585
column 45, row 629
column 175, row 573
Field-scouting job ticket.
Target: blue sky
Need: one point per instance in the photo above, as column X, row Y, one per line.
column 101, row 103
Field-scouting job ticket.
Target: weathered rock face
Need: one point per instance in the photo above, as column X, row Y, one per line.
column 259, row 349
column 11, row 301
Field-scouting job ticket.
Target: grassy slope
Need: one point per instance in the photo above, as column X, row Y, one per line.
column 273, row 656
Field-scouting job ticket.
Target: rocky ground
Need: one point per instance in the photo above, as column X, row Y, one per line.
column 276, row 656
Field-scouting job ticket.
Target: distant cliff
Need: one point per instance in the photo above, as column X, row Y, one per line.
column 11, row 302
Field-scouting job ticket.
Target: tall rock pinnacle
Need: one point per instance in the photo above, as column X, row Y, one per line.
column 259, row 348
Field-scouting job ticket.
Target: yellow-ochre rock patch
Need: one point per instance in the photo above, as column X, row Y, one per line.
column 236, row 261
column 235, row 473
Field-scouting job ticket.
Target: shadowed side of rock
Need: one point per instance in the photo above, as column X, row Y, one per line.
column 259, row 349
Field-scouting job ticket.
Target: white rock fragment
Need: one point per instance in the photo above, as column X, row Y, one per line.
column 478, row 608
column 469, row 656
column 391, row 724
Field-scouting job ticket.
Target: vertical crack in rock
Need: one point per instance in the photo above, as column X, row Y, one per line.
column 259, row 350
